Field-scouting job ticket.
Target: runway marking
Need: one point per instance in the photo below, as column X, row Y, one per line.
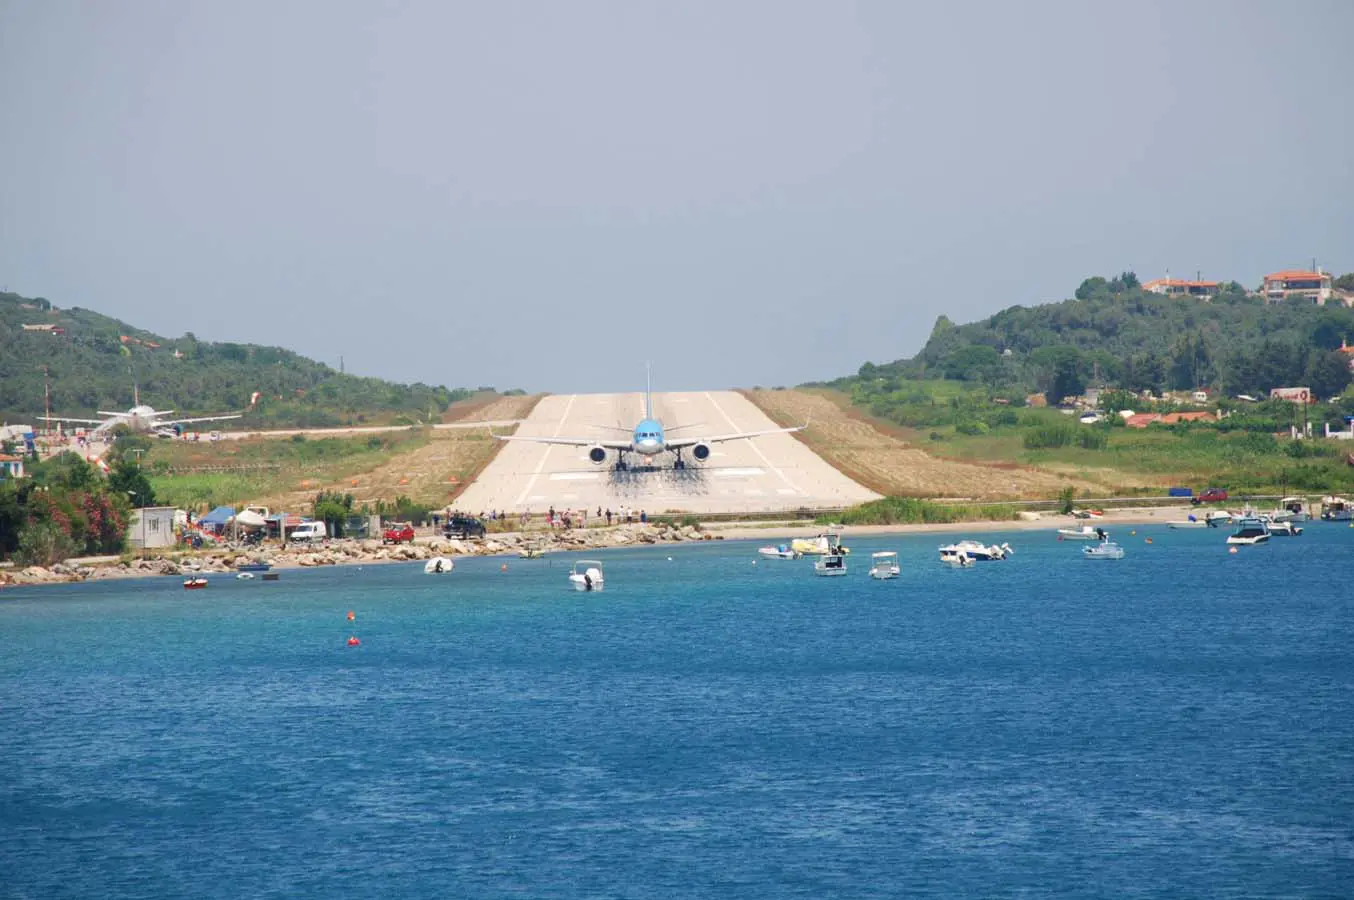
column 754, row 492
column 521, row 498
column 752, row 441
column 737, row 473
column 790, row 491
column 574, row 476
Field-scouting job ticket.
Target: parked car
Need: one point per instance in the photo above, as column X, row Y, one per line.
column 1212, row 495
column 463, row 527
column 308, row 531
column 398, row 533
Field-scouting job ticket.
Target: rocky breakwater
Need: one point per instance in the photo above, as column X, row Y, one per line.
column 347, row 552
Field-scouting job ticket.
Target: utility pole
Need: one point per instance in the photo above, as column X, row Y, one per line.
column 47, row 399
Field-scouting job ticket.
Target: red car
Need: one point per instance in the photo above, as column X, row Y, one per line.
column 1212, row 495
column 398, row 533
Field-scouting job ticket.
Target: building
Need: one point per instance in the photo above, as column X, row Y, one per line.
column 1348, row 351
column 1178, row 287
column 11, row 466
column 1296, row 284
column 151, row 527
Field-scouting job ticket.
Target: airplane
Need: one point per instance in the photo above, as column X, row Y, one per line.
column 144, row 418
column 648, row 439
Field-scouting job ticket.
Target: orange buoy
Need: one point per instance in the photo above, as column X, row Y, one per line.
column 351, row 615
column 353, row 641
column 1231, row 549
column 503, row 568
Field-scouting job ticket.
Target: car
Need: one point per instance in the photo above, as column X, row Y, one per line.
column 308, row 531
column 398, row 533
column 1212, row 495
column 463, row 527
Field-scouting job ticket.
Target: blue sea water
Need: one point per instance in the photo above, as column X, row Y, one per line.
column 1179, row 723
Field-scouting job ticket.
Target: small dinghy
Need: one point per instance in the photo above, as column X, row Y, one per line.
column 194, row 584
column 438, row 565
column 244, row 576
column 1103, row 550
column 784, row 551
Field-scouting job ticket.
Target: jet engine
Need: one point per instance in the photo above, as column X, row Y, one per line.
column 701, row 452
column 597, row 455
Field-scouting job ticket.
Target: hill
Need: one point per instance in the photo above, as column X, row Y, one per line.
column 1116, row 334
column 91, row 361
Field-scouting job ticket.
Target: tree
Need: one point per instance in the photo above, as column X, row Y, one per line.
column 333, row 509
column 1327, row 373
column 976, row 362
column 1059, row 372
column 1344, row 282
column 128, row 480
column 1092, row 286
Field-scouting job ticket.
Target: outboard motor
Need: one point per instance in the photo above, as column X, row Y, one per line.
column 701, row 452
column 597, row 455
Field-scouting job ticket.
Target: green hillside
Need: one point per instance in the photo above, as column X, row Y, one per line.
column 1118, row 335
column 92, row 365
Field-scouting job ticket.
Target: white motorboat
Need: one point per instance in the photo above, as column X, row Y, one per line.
column 1284, row 528
column 587, row 575
column 1251, row 531
column 438, row 565
column 1084, row 533
column 885, row 565
column 244, row 576
column 1103, row 550
column 1335, row 509
column 1291, row 509
column 978, row 551
column 1192, row 522
column 957, row 558
column 1217, row 517
column 783, row 551
column 831, row 564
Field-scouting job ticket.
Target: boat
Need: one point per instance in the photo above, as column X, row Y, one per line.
column 244, row 576
column 1250, row 531
column 438, row 565
column 830, row 564
column 253, row 567
column 1335, row 509
column 885, row 565
column 783, row 551
column 826, row 544
column 271, row 576
column 532, row 551
column 1284, row 528
column 587, row 575
column 194, row 584
column 1084, row 533
column 952, row 557
column 1290, row 509
column 1103, row 550
column 1192, row 522
column 978, row 551
column 1216, row 517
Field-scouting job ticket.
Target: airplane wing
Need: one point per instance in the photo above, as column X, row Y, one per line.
column 74, row 421
column 681, row 443
column 566, row 441
column 163, row 423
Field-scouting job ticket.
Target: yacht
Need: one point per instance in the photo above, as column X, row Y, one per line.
column 1284, row 528
column 1291, row 509
column 1084, row 533
column 1251, row 531
column 828, row 543
column 1335, row 509
column 978, row 551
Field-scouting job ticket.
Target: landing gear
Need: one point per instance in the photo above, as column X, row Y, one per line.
column 680, row 464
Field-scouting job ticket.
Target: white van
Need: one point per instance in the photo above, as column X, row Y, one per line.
column 308, row 531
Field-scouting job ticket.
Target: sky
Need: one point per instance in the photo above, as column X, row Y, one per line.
column 547, row 195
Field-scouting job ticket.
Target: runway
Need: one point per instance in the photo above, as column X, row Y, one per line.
column 770, row 473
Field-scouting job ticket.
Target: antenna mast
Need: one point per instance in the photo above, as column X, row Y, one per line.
column 47, row 399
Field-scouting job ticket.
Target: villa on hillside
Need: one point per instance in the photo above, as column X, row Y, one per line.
column 11, row 466
column 1178, row 287
column 1298, row 284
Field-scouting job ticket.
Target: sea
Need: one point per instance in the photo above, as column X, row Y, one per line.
column 1178, row 723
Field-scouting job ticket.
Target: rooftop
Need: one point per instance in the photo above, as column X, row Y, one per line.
column 1293, row 274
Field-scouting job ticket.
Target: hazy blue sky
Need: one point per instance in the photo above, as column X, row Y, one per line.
column 547, row 194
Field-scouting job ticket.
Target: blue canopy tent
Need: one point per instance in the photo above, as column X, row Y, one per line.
column 218, row 518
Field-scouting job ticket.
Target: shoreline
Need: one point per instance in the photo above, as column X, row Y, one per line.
column 344, row 552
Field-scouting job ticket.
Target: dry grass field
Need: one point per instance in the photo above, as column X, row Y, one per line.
column 879, row 457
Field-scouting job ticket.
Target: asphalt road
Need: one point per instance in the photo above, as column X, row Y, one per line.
column 775, row 472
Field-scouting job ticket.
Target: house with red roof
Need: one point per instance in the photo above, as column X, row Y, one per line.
column 1179, row 287
column 1298, row 284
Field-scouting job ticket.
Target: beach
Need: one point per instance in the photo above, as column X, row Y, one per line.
column 218, row 561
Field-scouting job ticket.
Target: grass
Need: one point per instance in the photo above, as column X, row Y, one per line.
column 911, row 511
column 264, row 466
